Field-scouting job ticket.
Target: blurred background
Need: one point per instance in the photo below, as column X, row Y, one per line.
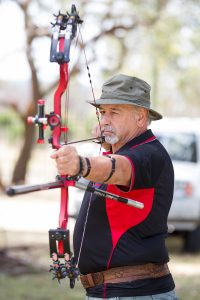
column 157, row 41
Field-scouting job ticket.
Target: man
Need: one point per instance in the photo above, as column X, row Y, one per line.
column 119, row 249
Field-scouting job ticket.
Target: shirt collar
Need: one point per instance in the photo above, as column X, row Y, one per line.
column 143, row 138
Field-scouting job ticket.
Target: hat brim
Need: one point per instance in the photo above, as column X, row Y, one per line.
column 154, row 115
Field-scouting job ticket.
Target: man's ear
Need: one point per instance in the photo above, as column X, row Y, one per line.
column 142, row 115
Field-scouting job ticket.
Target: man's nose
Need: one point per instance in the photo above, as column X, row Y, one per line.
column 105, row 120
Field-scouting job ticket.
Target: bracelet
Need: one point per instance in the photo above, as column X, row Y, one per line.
column 113, row 161
column 79, row 173
column 88, row 167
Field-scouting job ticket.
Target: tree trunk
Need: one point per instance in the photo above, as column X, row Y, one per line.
column 20, row 169
column 2, row 187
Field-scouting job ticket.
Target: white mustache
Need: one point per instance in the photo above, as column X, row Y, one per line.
column 108, row 128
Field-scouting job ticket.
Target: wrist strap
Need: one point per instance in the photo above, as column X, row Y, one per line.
column 113, row 161
column 88, row 167
column 80, row 166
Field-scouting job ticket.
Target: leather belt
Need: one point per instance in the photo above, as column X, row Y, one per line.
column 124, row 274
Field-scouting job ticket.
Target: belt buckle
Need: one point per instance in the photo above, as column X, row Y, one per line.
column 92, row 279
column 98, row 278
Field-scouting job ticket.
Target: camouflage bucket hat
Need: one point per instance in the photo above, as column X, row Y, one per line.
column 123, row 89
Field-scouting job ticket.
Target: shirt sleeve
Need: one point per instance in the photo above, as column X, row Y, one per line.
column 146, row 167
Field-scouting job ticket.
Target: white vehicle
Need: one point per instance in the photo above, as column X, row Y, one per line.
column 181, row 138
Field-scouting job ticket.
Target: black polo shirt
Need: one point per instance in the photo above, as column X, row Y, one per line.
column 120, row 235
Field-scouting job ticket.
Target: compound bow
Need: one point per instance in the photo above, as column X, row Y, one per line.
column 64, row 31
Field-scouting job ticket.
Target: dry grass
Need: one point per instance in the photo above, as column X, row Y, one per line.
column 32, row 281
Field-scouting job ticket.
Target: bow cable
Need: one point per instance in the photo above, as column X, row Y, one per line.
column 101, row 142
column 92, row 89
column 67, row 93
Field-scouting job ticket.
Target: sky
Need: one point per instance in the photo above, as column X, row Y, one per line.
column 14, row 69
column 13, row 64
column 12, row 42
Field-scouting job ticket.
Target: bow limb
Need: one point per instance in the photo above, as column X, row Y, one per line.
column 63, row 83
column 57, row 130
column 63, row 218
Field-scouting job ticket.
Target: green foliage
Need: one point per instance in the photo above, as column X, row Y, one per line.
column 90, row 122
column 11, row 126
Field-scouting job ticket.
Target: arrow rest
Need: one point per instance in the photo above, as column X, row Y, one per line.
column 53, row 120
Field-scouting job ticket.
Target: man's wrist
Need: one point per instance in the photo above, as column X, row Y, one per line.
column 87, row 165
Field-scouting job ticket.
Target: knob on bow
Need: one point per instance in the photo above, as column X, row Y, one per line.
column 40, row 120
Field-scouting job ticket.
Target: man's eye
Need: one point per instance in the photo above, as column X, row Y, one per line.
column 115, row 112
column 102, row 113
